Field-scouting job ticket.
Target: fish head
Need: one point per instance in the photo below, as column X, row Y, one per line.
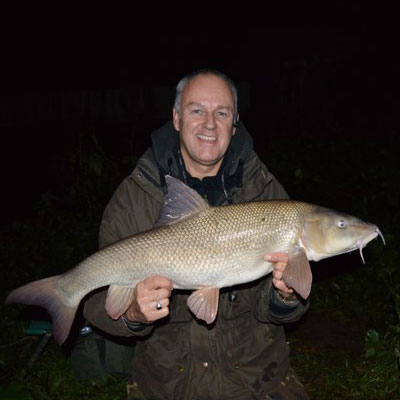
column 328, row 233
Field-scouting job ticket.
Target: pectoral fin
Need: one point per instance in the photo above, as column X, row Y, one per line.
column 119, row 298
column 204, row 303
column 297, row 274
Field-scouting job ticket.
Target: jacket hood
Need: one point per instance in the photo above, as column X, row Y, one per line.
column 165, row 146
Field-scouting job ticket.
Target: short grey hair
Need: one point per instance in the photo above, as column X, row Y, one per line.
column 180, row 87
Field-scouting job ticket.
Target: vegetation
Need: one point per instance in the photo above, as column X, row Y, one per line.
column 347, row 347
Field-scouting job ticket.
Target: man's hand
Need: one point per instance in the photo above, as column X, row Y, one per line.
column 280, row 260
column 150, row 293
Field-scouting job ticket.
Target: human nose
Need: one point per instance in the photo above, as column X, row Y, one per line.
column 210, row 122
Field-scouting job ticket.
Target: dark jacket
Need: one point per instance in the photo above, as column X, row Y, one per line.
column 244, row 354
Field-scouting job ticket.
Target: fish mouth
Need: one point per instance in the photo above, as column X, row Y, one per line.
column 206, row 138
column 360, row 244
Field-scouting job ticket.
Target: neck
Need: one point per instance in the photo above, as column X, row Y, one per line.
column 200, row 171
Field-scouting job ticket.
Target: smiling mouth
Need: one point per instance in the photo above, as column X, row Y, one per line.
column 207, row 138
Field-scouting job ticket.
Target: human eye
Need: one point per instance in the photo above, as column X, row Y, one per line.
column 222, row 114
column 196, row 111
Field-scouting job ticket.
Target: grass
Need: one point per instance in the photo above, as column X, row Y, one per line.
column 347, row 347
column 355, row 353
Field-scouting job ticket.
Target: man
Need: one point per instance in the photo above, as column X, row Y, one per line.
column 243, row 355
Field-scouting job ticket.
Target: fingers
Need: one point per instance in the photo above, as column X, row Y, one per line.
column 281, row 285
column 150, row 311
column 278, row 270
column 160, row 304
column 152, row 295
column 280, row 261
column 151, row 300
column 278, row 256
column 157, row 282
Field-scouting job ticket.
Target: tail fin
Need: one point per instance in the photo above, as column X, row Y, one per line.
column 42, row 293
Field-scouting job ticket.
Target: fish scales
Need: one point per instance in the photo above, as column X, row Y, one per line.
column 215, row 244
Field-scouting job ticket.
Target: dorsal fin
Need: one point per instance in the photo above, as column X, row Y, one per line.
column 180, row 202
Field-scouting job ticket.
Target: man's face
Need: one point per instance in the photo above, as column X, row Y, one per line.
column 205, row 123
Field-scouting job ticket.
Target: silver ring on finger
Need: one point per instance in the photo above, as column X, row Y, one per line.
column 158, row 306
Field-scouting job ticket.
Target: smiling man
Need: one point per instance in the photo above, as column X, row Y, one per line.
column 243, row 354
column 204, row 118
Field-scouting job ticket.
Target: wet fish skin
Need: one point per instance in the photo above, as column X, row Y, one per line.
column 201, row 248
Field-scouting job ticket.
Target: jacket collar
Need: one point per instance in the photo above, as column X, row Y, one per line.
column 165, row 146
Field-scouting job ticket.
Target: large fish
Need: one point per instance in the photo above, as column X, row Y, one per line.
column 202, row 248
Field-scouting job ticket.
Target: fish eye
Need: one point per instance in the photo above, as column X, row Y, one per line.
column 341, row 223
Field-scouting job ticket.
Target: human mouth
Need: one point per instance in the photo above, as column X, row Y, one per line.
column 207, row 138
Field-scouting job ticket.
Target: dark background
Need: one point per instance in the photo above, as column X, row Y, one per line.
column 308, row 75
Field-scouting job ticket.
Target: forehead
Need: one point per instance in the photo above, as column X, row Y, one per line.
column 208, row 89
